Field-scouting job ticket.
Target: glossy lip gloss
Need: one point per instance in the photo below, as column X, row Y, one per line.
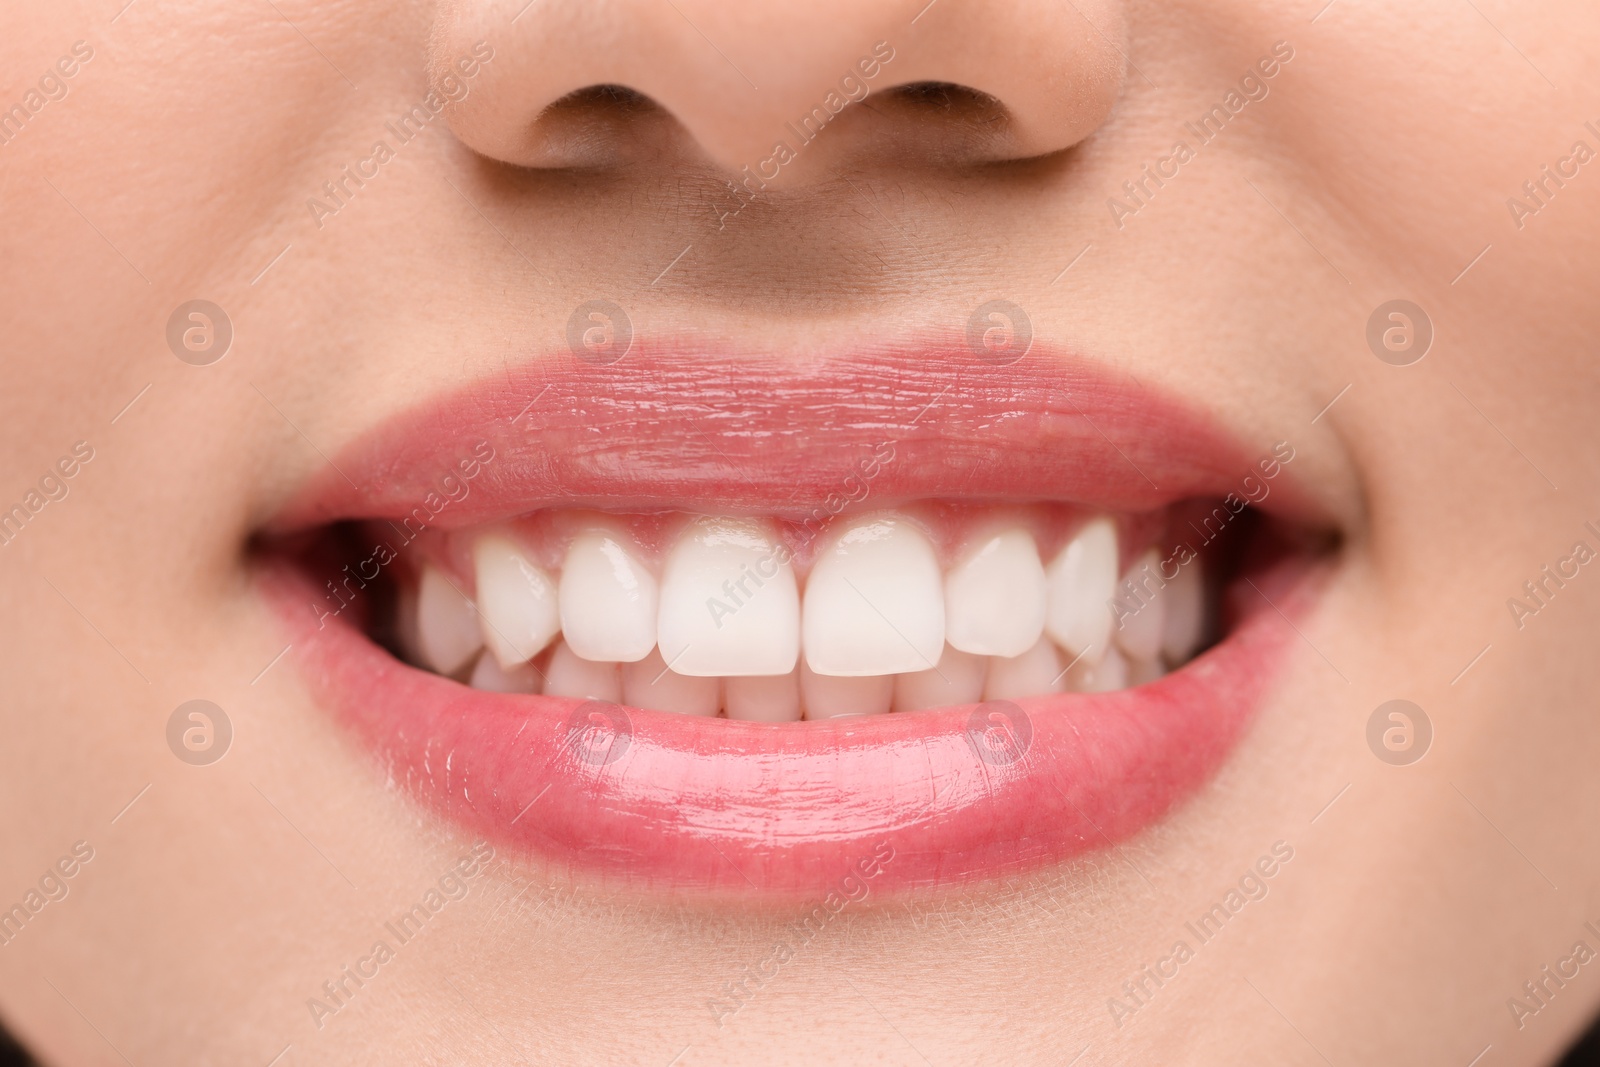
column 671, row 802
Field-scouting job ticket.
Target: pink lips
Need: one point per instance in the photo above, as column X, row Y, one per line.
column 729, row 434
column 666, row 801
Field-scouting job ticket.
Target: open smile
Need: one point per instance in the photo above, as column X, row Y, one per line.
column 694, row 620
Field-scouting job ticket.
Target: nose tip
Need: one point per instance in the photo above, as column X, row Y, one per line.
column 781, row 87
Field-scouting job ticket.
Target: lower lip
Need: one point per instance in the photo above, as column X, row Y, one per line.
column 908, row 800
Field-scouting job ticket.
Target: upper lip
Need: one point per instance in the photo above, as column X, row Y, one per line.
column 675, row 426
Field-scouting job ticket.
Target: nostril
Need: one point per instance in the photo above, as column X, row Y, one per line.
column 610, row 97
column 947, row 97
column 596, row 86
column 595, row 126
column 944, row 122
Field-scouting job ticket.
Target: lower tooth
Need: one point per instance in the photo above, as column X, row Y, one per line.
column 490, row 677
column 1035, row 672
column 1141, row 671
column 763, row 698
column 1107, row 676
column 569, row 676
column 648, row 683
column 957, row 679
column 828, row 696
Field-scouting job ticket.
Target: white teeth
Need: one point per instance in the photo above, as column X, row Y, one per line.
column 1186, row 605
column 729, row 603
column 768, row 698
column 1082, row 579
column 875, row 603
column 607, row 598
column 447, row 623
column 1110, row 674
column 489, row 676
column 1143, row 593
column 828, row 696
column 1036, row 671
column 722, row 630
column 958, row 679
column 649, row 684
column 516, row 598
column 569, row 676
column 994, row 600
column 1141, row 671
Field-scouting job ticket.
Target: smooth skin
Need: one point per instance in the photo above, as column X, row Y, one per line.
column 180, row 163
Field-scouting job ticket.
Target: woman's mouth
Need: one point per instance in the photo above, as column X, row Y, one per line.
column 705, row 622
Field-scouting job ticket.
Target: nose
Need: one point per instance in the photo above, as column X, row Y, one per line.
column 792, row 86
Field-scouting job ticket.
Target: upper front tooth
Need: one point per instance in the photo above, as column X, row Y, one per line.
column 516, row 598
column 447, row 623
column 994, row 600
column 1185, row 622
column 1082, row 581
column 729, row 603
column 607, row 598
column 875, row 603
column 1145, row 603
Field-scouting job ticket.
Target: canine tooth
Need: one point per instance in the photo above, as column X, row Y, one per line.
column 489, row 676
column 1033, row 673
column 607, row 598
column 829, row 696
column 516, row 599
column 729, row 602
column 763, row 698
column 1082, row 579
column 1139, row 631
column 957, row 679
column 447, row 623
column 567, row 675
column 1186, row 605
column 647, row 683
column 994, row 599
column 874, row 603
